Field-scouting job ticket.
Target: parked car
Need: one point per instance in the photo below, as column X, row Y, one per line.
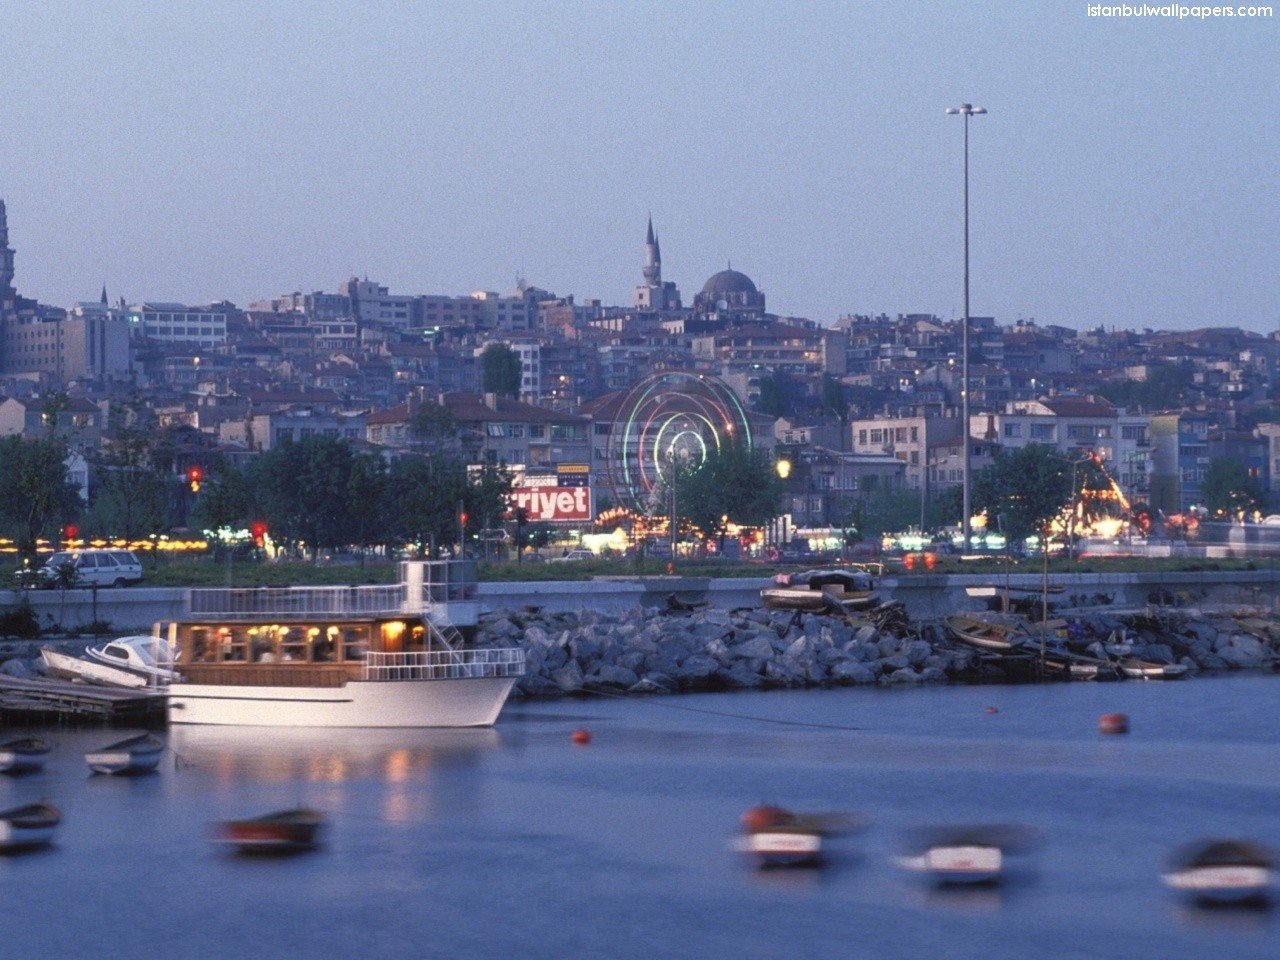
column 572, row 555
column 102, row 568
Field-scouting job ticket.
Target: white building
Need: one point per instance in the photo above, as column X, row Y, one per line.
column 178, row 323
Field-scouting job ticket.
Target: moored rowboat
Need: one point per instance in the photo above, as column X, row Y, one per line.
column 974, row 854
column 984, row 635
column 23, row 754
column 140, row 754
column 1223, row 872
column 31, row 826
column 286, row 831
column 1136, row 669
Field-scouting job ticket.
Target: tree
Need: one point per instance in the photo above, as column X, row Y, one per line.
column 225, row 501
column 501, row 370
column 421, row 497
column 35, row 494
column 1029, row 486
column 366, row 488
column 302, row 490
column 1228, row 488
column 734, row 484
column 1164, row 388
column 432, row 425
column 834, row 400
column 487, row 494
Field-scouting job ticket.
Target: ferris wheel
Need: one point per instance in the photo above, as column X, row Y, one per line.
column 665, row 420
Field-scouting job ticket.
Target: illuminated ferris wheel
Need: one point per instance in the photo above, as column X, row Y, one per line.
column 669, row 418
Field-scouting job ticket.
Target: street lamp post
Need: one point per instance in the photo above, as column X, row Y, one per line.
column 966, row 110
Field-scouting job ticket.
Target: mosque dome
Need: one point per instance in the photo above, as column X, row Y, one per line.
column 729, row 281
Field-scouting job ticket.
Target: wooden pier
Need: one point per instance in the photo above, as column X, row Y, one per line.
column 56, row 701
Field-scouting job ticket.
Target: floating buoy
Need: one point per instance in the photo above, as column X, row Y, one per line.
column 993, row 709
column 581, row 737
column 763, row 817
column 1114, row 723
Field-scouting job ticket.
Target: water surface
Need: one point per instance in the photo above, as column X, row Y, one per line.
column 514, row 842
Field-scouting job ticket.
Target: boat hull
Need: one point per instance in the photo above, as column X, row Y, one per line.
column 16, row 837
column 471, row 702
column 123, row 761
column 958, row 865
column 91, row 671
column 16, row 760
column 785, row 848
column 1227, row 883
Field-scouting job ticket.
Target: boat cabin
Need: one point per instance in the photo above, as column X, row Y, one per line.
column 303, row 651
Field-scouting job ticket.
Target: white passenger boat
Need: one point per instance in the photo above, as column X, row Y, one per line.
column 140, row 754
column 23, row 828
column 67, row 667
column 23, row 754
column 146, row 656
column 385, row 656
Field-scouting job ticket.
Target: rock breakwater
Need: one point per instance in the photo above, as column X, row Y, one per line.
column 653, row 651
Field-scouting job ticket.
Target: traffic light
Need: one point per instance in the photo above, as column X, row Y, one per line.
column 258, row 530
column 69, row 531
column 194, row 476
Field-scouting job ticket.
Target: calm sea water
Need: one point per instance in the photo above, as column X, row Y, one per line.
column 513, row 842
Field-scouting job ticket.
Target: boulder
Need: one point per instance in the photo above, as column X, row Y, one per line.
column 888, row 646
column 933, row 675
column 906, row 675
column 1250, row 646
column 757, row 648
column 568, row 678
column 802, row 649
column 17, row 669
column 866, row 634
column 743, row 676
column 916, row 652
column 899, row 662
column 852, row 672
column 535, row 636
column 697, row 667
column 613, row 676
column 1236, row 657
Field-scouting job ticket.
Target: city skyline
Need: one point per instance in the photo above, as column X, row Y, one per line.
column 1131, row 192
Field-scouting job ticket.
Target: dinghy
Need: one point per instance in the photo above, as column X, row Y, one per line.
column 23, row 828
column 140, row 754
column 286, row 831
column 985, row 635
column 23, row 755
column 1223, row 872
column 959, row 855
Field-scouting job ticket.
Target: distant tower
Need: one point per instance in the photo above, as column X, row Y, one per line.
column 652, row 259
column 6, row 256
column 654, row 294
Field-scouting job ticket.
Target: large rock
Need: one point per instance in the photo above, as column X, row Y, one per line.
column 613, row 676
column 697, row 667
column 16, row 669
column 851, row 672
column 905, row 676
column 933, row 675
column 743, row 676
column 1239, row 658
column 756, row 648
column 568, row 678
column 916, row 652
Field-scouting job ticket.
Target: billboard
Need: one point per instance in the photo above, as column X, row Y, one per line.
column 562, row 496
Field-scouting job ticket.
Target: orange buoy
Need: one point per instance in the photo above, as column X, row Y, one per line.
column 581, row 737
column 763, row 817
column 1114, row 723
column 993, row 709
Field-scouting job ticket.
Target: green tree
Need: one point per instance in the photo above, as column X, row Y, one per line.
column 224, row 501
column 487, row 495
column 1029, row 486
column 1166, row 387
column 734, row 484
column 421, row 498
column 366, row 490
column 501, row 370
column 1228, row 488
column 35, row 495
column 432, row 426
column 302, row 491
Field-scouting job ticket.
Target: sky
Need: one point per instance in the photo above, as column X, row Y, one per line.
column 1126, row 174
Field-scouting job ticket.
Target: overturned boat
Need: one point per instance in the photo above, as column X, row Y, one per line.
column 813, row 591
column 23, row 754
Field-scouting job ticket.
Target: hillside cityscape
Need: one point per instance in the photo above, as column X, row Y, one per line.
column 865, row 407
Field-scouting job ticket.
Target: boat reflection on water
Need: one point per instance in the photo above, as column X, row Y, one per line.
column 291, row 754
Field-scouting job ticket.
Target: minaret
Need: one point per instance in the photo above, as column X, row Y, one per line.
column 6, row 256
column 652, row 259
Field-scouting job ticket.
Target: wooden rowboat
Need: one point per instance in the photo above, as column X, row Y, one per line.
column 984, row 635
column 286, row 831
column 23, row 754
column 1136, row 669
column 24, row 828
column 140, row 754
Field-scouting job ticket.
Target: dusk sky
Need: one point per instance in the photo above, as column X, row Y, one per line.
column 1127, row 173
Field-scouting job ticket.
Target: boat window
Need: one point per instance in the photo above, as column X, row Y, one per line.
column 112, row 650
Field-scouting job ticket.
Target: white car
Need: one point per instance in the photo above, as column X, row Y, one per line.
column 573, row 555
column 102, row 568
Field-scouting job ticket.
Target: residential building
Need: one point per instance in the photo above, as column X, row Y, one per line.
column 177, row 323
column 909, row 439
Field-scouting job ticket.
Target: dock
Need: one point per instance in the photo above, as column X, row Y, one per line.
column 57, row 701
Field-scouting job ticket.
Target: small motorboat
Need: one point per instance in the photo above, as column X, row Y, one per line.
column 67, row 667
column 147, row 656
column 24, row 828
column 1223, row 872
column 23, row 754
column 985, row 635
column 963, row 855
column 286, row 831
column 779, row 838
column 1136, row 669
column 815, row 590
column 140, row 754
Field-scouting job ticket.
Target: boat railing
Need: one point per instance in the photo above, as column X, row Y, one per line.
column 231, row 603
column 445, row 664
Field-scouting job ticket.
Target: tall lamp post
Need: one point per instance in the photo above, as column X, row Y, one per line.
column 966, row 110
